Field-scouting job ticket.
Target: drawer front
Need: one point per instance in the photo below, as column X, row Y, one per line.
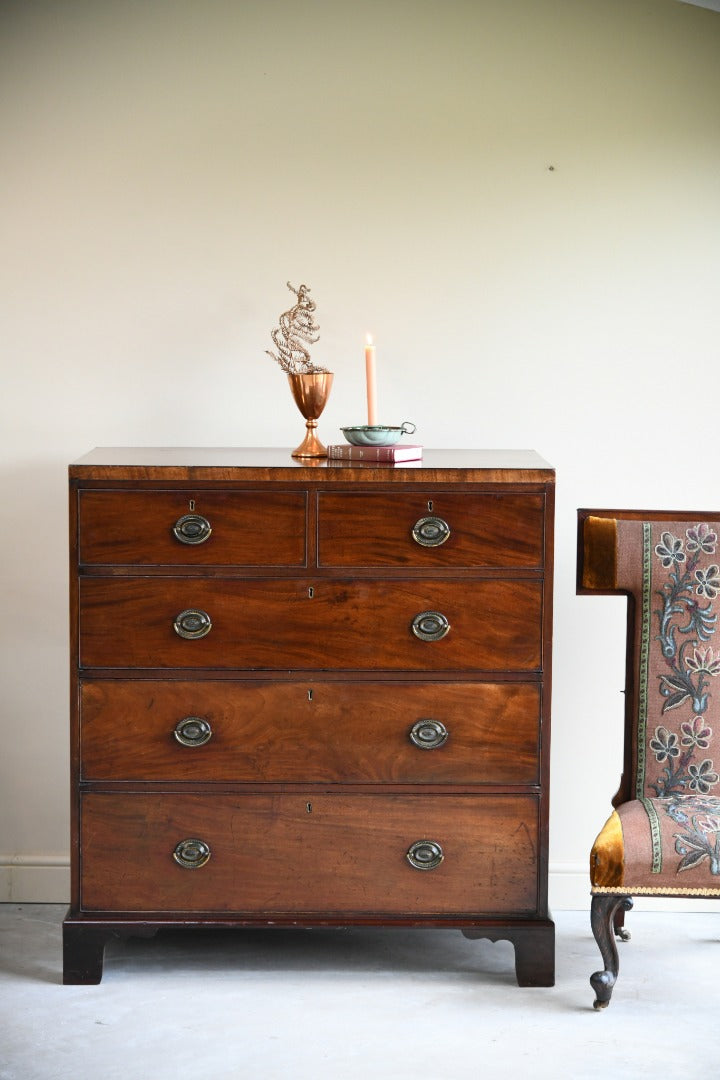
column 289, row 624
column 302, row 854
column 470, row 530
column 246, row 528
column 305, row 732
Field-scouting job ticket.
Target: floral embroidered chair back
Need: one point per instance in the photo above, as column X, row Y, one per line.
column 664, row 836
column 676, row 586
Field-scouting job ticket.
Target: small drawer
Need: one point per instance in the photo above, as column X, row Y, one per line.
column 266, row 624
column 177, row 528
column 306, row 854
column 310, row 732
column 440, row 529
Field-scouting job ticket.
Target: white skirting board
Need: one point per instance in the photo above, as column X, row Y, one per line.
column 34, row 879
column 45, row 879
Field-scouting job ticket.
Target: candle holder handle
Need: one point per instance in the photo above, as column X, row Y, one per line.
column 311, row 392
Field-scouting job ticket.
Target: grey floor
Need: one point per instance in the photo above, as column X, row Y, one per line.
column 369, row 1004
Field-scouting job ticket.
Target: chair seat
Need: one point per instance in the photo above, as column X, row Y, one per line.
column 667, row 846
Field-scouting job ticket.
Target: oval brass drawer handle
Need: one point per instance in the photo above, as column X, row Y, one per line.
column 191, row 854
column 430, row 531
column 428, row 734
column 192, row 529
column 192, row 623
column 192, row 731
column 425, row 855
column 430, row 625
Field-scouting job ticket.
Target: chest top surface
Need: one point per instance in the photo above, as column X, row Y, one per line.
column 259, row 464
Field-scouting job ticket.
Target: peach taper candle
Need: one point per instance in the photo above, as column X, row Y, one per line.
column 371, row 380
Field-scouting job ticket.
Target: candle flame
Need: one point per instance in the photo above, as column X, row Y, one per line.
column 369, row 339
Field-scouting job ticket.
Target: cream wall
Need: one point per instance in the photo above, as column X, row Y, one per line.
column 520, row 198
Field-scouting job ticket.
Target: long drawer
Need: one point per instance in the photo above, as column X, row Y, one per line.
column 240, row 528
column 494, row 625
column 431, row 529
column 302, row 854
column 310, row 732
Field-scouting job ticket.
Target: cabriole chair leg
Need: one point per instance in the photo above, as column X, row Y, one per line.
column 602, row 920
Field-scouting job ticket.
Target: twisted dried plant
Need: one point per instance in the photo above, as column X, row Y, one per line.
column 296, row 331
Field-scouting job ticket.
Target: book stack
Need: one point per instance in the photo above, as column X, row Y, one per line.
column 343, row 453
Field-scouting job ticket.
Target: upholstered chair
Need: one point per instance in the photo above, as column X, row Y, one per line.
column 663, row 837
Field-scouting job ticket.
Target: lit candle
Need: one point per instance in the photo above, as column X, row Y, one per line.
column 371, row 379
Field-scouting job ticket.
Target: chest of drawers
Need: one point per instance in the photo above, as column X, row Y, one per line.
column 310, row 695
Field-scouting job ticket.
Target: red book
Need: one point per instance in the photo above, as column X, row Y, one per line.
column 346, row 452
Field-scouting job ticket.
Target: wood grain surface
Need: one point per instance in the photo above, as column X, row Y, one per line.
column 310, row 732
column 486, row 530
column 300, row 853
column 297, row 624
column 248, row 528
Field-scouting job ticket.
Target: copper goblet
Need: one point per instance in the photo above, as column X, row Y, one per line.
column 311, row 393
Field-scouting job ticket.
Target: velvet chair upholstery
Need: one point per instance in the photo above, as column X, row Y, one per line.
column 663, row 836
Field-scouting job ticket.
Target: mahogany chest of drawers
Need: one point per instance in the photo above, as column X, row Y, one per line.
column 310, row 695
